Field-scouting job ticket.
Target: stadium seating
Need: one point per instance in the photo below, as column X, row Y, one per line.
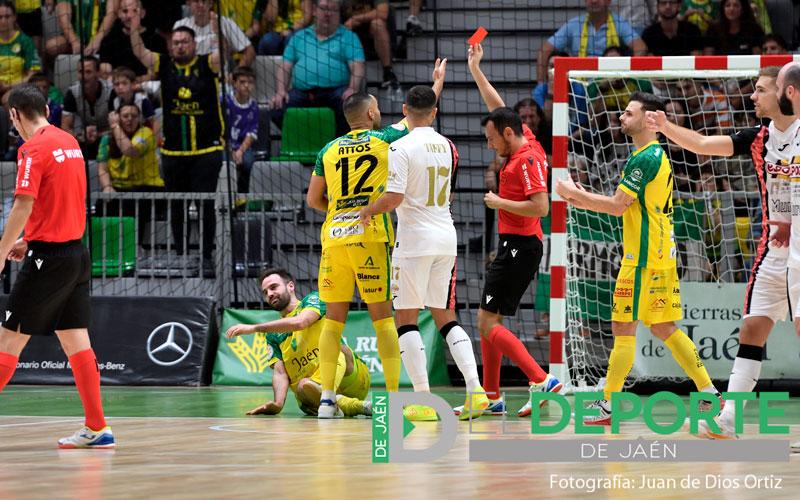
column 305, row 132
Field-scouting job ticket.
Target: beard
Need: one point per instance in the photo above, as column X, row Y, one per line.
column 668, row 18
column 785, row 105
column 281, row 303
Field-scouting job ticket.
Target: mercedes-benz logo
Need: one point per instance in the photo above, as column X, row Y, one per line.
column 170, row 350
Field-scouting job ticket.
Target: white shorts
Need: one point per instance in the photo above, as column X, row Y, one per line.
column 767, row 293
column 793, row 278
column 429, row 280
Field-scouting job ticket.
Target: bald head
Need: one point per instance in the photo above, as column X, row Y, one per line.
column 788, row 83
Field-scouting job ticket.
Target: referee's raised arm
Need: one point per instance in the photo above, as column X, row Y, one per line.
column 488, row 92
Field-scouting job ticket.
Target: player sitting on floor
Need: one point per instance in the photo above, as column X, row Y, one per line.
column 294, row 356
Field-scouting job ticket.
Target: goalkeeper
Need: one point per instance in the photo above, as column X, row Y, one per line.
column 647, row 287
column 294, row 356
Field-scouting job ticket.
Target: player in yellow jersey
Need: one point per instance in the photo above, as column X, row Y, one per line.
column 351, row 173
column 647, row 287
column 294, row 356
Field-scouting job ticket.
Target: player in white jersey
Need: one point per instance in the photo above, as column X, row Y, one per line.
column 422, row 169
column 766, row 300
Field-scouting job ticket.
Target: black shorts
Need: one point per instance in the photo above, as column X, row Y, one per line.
column 52, row 289
column 510, row 273
column 30, row 23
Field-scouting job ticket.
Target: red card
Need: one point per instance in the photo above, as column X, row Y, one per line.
column 478, row 36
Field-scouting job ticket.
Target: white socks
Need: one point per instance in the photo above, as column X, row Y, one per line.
column 412, row 352
column 744, row 376
column 461, row 349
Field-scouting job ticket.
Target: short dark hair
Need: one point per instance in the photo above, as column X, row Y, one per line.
column 421, row 99
column 185, row 29
column 649, row 101
column 355, row 104
column 243, row 71
column 9, row 5
column 39, row 76
column 92, row 59
column 502, row 118
column 283, row 273
column 777, row 38
column 28, row 100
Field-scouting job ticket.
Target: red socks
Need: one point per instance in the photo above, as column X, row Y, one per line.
column 8, row 364
column 507, row 343
column 492, row 358
column 87, row 379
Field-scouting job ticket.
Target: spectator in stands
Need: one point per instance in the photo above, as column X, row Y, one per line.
column 671, row 36
column 123, row 80
column 685, row 165
column 413, row 24
column 97, row 18
column 29, row 20
column 116, row 48
column 242, row 124
column 533, row 116
column 127, row 163
column 543, row 95
column 86, row 107
column 761, row 15
column 245, row 13
column 708, row 109
column 163, row 16
column 205, row 34
column 743, row 109
column 369, row 19
column 281, row 19
column 774, row 44
column 325, row 64
column 18, row 57
column 589, row 34
column 736, row 32
column 191, row 155
column 615, row 92
column 53, row 96
column 701, row 13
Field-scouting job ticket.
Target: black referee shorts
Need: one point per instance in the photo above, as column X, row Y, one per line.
column 52, row 289
column 510, row 273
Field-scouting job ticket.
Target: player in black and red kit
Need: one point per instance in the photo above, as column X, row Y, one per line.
column 51, row 293
column 521, row 200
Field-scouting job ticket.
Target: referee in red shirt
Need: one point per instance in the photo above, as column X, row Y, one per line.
column 521, row 200
column 51, row 292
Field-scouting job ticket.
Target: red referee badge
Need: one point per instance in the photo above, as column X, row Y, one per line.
column 478, row 36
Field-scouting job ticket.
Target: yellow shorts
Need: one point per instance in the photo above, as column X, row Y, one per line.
column 343, row 267
column 651, row 296
column 356, row 385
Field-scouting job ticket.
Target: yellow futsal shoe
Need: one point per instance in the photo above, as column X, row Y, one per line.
column 474, row 405
column 420, row 413
column 352, row 407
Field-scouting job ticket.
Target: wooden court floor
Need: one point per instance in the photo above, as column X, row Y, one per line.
column 193, row 443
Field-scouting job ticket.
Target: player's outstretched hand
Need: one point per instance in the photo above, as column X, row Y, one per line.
column 474, row 56
column 237, row 330
column 268, row 408
column 780, row 237
column 655, row 120
column 439, row 69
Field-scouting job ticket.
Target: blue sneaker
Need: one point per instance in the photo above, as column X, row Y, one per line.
column 87, row 438
column 496, row 407
column 549, row 384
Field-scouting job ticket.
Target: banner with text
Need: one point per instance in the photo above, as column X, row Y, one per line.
column 247, row 363
column 137, row 341
column 712, row 317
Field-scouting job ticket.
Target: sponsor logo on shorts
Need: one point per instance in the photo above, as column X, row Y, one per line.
column 658, row 304
column 625, row 281
column 676, row 290
column 658, row 289
column 326, row 283
column 354, row 202
column 623, row 292
column 369, row 264
column 676, row 305
column 373, row 290
column 629, row 256
column 489, row 298
column 341, row 232
column 614, row 307
column 365, row 276
column 514, row 252
column 628, row 309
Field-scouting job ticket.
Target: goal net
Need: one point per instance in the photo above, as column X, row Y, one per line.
column 717, row 210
